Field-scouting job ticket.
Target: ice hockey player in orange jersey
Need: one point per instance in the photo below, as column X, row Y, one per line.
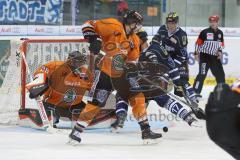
column 121, row 45
column 62, row 85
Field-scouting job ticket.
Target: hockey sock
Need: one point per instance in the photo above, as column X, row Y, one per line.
column 144, row 125
column 121, row 113
column 121, row 107
column 174, row 107
column 79, row 127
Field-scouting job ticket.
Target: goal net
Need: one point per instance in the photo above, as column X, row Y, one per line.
column 13, row 94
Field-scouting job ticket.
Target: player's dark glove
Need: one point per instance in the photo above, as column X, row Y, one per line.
column 95, row 45
column 131, row 70
column 143, row 35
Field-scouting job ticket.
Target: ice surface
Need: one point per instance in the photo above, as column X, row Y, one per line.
column 180, row 143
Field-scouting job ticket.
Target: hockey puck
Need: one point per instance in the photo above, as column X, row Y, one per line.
column 165, row 129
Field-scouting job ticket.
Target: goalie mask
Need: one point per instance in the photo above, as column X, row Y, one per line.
column 76, row 59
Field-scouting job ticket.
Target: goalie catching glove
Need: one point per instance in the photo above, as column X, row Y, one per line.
column 38, row 86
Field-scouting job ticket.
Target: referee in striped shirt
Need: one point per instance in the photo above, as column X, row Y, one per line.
column 208, row 51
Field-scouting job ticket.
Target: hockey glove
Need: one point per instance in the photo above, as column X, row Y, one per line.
column 95, row 45
column 132, row 70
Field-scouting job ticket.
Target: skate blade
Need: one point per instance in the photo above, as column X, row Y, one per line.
column 73, row 142
column 150, row 141
column 195, row 125
column 52, row 130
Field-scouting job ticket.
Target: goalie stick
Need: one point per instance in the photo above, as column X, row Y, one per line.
column 46, row 124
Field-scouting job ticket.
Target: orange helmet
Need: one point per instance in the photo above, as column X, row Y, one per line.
column 213, row 18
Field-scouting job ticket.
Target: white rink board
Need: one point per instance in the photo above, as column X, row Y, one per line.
column 231, row 57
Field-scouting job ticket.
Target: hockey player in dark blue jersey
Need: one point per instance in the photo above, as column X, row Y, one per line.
column 156, row 53
column 174, row 39
column 169, row 47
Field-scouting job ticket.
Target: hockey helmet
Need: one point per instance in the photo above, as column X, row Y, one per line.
column 77, row 59
column 213, row 18
column 131, row 17
column 172, row 17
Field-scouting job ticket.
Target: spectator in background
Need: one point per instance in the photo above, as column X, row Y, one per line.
column 122, row 7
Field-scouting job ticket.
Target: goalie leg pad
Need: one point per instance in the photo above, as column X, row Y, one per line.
column 34, row 116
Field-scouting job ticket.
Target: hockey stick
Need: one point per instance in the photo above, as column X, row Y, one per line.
column 199, row 113
column 91, row 62
column 46, row 124
column 193, row 106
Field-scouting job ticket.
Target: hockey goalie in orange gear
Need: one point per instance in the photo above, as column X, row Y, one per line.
column 121, row 46
column 63, row 85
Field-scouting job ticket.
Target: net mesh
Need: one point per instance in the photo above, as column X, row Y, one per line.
column 44, row 52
